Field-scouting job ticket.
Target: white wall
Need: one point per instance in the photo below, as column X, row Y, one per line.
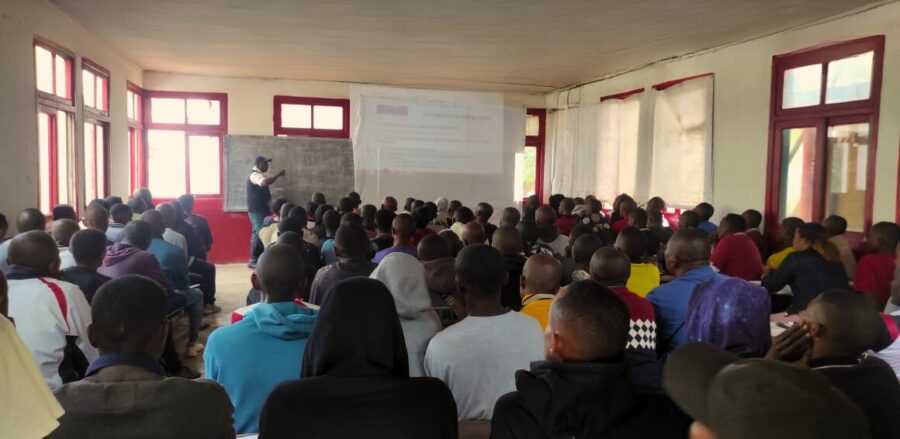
column 20, row 22
column 250, row 100
column 741, row 108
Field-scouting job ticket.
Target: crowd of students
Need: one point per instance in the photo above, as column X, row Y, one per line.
column 426, row 320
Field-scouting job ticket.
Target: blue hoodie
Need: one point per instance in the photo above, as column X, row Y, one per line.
column 251, row 357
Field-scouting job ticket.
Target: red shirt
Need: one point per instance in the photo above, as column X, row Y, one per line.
column 874, row 274
column 639, row 307
column 736, row 255
column 566, row 223
column 619, row 225
column 421, row 234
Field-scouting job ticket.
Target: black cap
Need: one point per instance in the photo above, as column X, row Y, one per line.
column 756, row 398
column 261, row 159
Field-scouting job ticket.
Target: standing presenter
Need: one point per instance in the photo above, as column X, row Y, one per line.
column 258, row 197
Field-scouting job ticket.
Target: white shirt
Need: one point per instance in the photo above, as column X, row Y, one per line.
column 558, row 245
column 40, row 323
column 891, row 354
column 4, row 253
column 65, row 258
column 479, row 356
column 176, row 239
column 257, row 176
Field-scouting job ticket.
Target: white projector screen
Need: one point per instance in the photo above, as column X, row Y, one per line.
column 431, row 143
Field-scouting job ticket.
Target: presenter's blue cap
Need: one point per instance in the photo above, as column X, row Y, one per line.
column 261, row 159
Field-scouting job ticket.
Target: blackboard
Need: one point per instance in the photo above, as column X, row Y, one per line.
column 312, row 165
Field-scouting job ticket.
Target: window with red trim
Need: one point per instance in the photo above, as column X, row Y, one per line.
column 134, row 113
column 532, row 159
column 823, row 131
column 185, row 133
column 95, row 100
column 313, row 117
column 55, row 121
column 94, row 86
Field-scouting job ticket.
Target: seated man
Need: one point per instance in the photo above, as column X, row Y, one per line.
column 639, row 219
column 582, row 389
column 64, row 211
column 461, row 217
column 687, row 257
column 62, row 230
column 625, row 208
column 175, row 267
column 735, row 254
column 126, row 393
column 483, row 215
column 706, row 211
column 566, row 220
column 440, row 277
column 170, row 217
column 199, row 222
column 352, row 248
column 121, row 215
column 331, row 221
column 644, row 276
column 731, row 398
column 51, row 316
column 509, row 243
column 88, row 247
column 541, row 278
column 510, row 217
column 836, row 226
column 876, row 271
column 477, row 357
column 473, row 233
column 837, row 331
column 688, row 220
column 203, row 271
column 785, row 238
column 402, row 229
column 309, row 252
column 384, row 220
column 273, row 333
column 389, row 204
column 96, row 217
column 611, row 268
column 548, row 233
column 27, row 220
column 754, row 219
column 582, row 251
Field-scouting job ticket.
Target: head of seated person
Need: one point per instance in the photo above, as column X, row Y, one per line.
column 480, row 275
column 96, row 217
column 187, row 203
column 617, row 202
column 36, row 252
column 351, row 241
column 626, row 206
column 687, row 250
column 610, row 267
column 351, row 217
column 422, row 215
column 138, row 234
column 528, row 231
column 883, row 237
column 144, row 194
column 389, row 204
column 705, row 210
column 291, row 224
column 544, row 217
column 64, row 211
column 345, row 205
column 331, row 220
column 320, row 214
column 4, row 227
column 484, row 212
column 542, row 274
column 121, row 214
column 368, row 215
column 169, row 215
column 30, row 219
column 318, row 198
column 62, row 231
column 112, row 200
column 813, row 236
column 508, row 241
column 583, row 250
column 355, row 198
column 463, row 215
column 578, row 231
column 510, row 217
column 433, row 247
column 129, row 317
column 473, row 233
column 787, row 229
column 688, row 220
column 416, row 204
column 279, row 272
column 732, row 224
column 137, row 205
column 753, row 218
column 637, row 218
column 656, row 204
column 297, row 212
column 566, row 206
column 587, row 323
column 88, row 247
column 842, row 324
column 453, row 241
column 402, row 229
column 179, row 210
column 453, row 207
column 654, row 219
column 555, row 200
column 733, row 398
column 384, row 220
column 633, row 243
column 157, row 225
column 408, row 204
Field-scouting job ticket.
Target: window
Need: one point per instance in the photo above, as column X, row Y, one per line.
column 617, row 146
column 314, row 117
column 530, row 163
column 95, row 100
column 95, row 86
column 55, row 121
column 822, row 143
column 134, row 112
column 94, row 160
column 184, row 143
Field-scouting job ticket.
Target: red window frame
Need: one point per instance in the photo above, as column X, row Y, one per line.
column 219, row 130
column 101, row 191
column 622, row 96
column 50, row 103
column 137, row 155
column 538, row 142
column 821, row 116
column 103, row 94
column 312, row 102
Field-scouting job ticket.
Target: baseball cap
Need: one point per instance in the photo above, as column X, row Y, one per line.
column 757, row 398
column 261, row 159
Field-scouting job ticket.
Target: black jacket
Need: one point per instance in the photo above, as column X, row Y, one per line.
column 871, row 384
column 510, row 296
column 583, row 400
column 808, row 274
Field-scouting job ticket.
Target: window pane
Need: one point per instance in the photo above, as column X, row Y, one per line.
column 204, row 161
column 100, row 154
column 87, row 83
column 63, row 158
column 328, row 118
column 296, row 116
column 129, row 104
column 532, row 125
column 44, row 160
column 797, row 175
column 43, row 69
column 102, row 103
column 849, row 79
column 848, row 152
column 90, row 181
column 165, row 110
column 529, row 166
column 203, row 112
column 63, row 70
column 802, row 86
column 165, row 163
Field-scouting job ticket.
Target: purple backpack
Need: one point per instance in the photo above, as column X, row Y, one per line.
column 732, row 314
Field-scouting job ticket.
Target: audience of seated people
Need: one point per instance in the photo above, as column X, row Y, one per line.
column 454, row 297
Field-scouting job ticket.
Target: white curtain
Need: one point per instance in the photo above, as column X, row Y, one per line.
column 617, row 150
column 571, row 158
column 682, row 143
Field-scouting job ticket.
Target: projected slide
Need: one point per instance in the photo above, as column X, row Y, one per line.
column 408, row 135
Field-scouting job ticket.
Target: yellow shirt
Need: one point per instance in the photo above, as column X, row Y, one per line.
column 537, row 306
column 29, row 409
column 644, row 278
column 776, row 259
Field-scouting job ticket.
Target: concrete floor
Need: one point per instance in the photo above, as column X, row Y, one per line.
column 232, row 284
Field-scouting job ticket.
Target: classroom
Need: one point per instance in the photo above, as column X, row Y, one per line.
column 632, row 218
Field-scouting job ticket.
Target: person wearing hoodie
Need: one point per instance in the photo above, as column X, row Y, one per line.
column 583, row 388
column 251, row 357
column 404, row 277
column 548, row 232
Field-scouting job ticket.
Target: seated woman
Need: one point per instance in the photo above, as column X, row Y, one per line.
column 813, row 268
column 355, row 377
